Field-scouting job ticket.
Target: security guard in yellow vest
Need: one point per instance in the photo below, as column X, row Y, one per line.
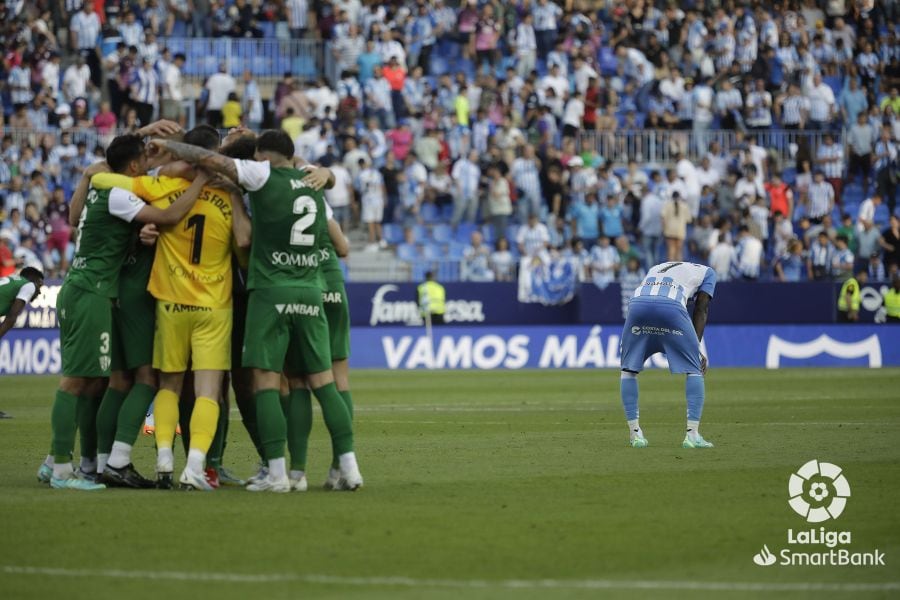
column 892, row 301
column 432, row 298
column 851, row 297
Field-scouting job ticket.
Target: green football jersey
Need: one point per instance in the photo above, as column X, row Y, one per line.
column 104, row 238
column 9, row 289
column 289, row 226
column 136, row 269
column 331, row 263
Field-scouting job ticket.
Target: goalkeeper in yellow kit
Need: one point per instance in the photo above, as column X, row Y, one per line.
column 191, row 281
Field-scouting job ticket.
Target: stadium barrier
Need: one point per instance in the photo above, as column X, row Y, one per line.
column 660, row 146
column 36, row 351
column 494, row 304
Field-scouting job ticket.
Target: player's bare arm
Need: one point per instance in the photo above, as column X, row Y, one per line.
column 240, row 221
column 79, row 195
column 195, row 155
column 160, row 128
column 701, row 314
column 178, row 209
column 318, row 178
column 338, row 239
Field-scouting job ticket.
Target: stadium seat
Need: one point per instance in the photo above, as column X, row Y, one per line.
column 464, row 232
column 456, row 251
column 421, row 234
column 429, row 213
column 442, row 234
column 433, row 252
column 267, row 28
column 511, row 232
column 446, row 212
column 487, row 232
column 408, row 252
column 393, row 233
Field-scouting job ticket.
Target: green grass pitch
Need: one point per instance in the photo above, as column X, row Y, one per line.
column 485, row 485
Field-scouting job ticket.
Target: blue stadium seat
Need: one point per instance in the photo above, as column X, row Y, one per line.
column 421, row 234
column 267, row 28
column 448, row 270
column 433, row 252
column 408, row 252
column 464, row 232
column 487, row 232
column 429, row 213
column 393, row 233
column 608, row 61
column 456, row 251
column 511, row 232
column 447, row 212
column 836, row 83
column 442, row 234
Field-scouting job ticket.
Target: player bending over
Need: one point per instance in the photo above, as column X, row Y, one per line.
column 286, row 324
column 16, row 292
column 658, row 321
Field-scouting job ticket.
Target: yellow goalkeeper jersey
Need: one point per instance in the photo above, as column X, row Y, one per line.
column 193, row 257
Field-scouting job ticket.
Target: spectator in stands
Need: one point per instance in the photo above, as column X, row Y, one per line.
column 885, row 167
column 630, row 277
column 675, row 217
column 891, row 245
column 533, row 238
column 76, row 80
column 219, row 85
column 792, row 108
column 819, row 260
column 861, row 141
column 869, row 241
column 476, row 260
column 822, row 105
column 502, row 261
column 604, row 263
column 467, row 175
column 232, row 113
column 525, row 42
column 748, row 255
column 842, row 261
column 830, row 159
column 875, row 268
column 584, row 219
column 84, row 31
column 172, row 93
column 791, row 265
column 853, row 101
column 373, row 194
column 145, row 92
column 821, row 198
column 7, row 261
column 499, row 203
column 758, row 107
column 611, row 218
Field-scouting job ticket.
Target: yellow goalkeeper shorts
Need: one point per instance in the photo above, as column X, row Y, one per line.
column 195, row 335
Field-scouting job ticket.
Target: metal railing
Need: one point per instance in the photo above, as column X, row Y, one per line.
column 661, row 146
column 264, row 57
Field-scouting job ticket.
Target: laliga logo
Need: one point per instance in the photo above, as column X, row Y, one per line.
column 818, row 491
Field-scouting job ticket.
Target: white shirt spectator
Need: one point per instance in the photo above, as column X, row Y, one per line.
column 75, row 81
column 132, row 33
column 145, row 86
column 340, row 195
column 748, row 256
column 574, row 113
column 533, row 240
column 687, row 172
column 545, row 16
column 604, row 264
column 821, row 103
column 651, row 215
column 759, row 108
column 50, row 77
column 821, row 199
column 833, row 169
column 703, row 102
column 708, row 177
column 219, row 86
column 86, row 28
column 866, row 214
column 299, row 13
column 467, row 175
column 19, row 82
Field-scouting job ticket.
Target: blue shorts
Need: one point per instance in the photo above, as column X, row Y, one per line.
column 659, row 325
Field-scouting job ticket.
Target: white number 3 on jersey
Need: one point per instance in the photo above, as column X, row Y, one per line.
column 306, row 206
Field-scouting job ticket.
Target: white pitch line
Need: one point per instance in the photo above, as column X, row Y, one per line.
column 411, row 582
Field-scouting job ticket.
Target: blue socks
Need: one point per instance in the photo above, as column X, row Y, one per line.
column 629, row 389
column 694, row 392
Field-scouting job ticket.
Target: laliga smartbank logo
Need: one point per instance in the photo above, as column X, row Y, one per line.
column 818, row 492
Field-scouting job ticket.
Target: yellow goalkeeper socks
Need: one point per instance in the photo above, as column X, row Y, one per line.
column 165, row 418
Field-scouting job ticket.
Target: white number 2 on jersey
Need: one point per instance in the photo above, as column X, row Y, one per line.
column 306, row 206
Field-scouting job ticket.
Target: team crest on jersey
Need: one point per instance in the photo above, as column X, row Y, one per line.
column 105, row 362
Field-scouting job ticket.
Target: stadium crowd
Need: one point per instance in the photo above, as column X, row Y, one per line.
column 470, row 133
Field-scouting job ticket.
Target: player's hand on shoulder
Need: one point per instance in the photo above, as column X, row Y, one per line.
column 148, row 234
column 100, row 166
column 316, row 177
column 161, row 127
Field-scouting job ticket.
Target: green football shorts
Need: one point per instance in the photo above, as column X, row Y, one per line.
column 337, row 311
column 134, row 325
column 287, row 331
column 85, row 332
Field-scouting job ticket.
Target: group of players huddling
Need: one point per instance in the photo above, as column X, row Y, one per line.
column 153, row 304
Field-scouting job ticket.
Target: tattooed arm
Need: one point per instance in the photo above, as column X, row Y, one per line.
column 200, row 157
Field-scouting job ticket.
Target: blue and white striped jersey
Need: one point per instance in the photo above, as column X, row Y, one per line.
column 676, row 281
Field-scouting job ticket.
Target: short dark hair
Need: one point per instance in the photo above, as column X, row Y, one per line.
column 842, row 238
column 32, row 274
column 243, row 148
column 122, row 150
column 277, row 141
column 204, row 136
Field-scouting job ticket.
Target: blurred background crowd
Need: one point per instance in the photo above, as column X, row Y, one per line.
column 757, row 137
